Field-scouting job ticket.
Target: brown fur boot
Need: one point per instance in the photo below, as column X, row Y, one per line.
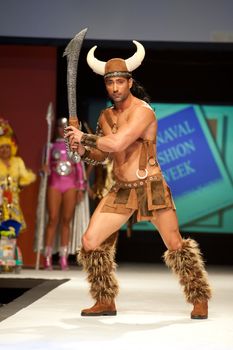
column 188, row 265
column 100, row 309
column 200, row 310
column 100, row 267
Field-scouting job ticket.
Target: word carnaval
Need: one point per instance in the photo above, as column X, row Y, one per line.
column 174, row 132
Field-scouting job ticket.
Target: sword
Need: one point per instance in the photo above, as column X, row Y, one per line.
column 72, row 52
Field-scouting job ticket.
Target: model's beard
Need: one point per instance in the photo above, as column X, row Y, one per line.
column 120, row 98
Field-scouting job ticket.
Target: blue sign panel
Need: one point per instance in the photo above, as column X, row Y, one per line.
column 184, row 154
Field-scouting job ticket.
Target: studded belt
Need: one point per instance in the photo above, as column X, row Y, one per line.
column 136, row 183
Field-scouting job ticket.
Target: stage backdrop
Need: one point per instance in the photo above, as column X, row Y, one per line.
column 27, row 85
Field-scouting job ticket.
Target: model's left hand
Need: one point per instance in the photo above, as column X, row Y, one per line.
column 74, row 135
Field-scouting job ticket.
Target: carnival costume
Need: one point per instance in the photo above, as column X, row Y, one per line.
column 65, row 174
column 12, row 178
column 143, row 197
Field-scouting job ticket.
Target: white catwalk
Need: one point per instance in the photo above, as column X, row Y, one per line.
column 152, row 314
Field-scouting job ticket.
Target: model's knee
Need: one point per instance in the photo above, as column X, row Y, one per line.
column 66, row 222
column 53, row 220
column 88, row 242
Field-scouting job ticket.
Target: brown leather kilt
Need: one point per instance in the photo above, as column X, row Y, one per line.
column 141, row 197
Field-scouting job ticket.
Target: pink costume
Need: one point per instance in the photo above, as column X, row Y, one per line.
column 64, row 173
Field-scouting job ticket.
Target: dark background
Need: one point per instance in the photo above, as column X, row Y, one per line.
column 171, row 72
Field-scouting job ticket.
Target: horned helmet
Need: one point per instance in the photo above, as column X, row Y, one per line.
column 116, row 66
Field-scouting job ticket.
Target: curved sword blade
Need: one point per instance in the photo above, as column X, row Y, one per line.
column 72, row 51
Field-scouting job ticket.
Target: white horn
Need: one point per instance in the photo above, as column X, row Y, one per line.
column 96, row 65
column 134, row 61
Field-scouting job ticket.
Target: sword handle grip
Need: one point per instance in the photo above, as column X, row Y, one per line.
column 73, row 121
column 74, row 156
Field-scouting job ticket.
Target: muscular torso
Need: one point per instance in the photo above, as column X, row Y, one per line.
column 126, row 161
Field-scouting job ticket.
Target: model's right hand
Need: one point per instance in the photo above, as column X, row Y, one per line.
column 80, row 196
column 45, row 169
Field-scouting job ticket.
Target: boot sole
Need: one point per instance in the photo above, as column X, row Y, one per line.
column 102, row 313
column 199, row 317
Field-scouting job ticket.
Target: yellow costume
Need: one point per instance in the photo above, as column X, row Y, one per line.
column 13, row 176
column 12, row 179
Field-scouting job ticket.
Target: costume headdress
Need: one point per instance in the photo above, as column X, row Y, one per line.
column 7, row 136
column 116, row 66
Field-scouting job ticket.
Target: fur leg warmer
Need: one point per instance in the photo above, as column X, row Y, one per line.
column 100, row 267
column 187, row 263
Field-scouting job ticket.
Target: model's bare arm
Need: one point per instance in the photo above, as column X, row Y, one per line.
column 129, row 132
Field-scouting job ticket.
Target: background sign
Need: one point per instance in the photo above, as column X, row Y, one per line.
column 194, row 147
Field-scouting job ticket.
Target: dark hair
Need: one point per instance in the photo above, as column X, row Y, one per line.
column 139, row 91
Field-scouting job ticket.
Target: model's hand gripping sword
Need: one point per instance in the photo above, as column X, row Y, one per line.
column 72, row 52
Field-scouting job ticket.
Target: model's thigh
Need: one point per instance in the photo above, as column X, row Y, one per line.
column 68, row 203
column 167, row 224
column 54, row 198
column 102, row 225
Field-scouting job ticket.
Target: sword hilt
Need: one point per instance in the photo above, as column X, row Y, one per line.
column 73, row 155
column 73, row 121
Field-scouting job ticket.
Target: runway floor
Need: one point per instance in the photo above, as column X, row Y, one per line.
column 152, row 314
